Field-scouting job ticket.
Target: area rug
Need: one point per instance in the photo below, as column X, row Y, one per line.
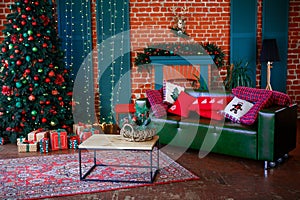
column 58, row 175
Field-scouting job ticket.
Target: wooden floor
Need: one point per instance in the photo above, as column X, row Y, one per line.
column 221, row 177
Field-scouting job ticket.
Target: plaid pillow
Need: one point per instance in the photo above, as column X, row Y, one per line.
column 280, row 98
column 262, row 98
column 159, row 109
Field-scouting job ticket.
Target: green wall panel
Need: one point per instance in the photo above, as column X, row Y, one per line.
column 243, row 34
column 275, row 25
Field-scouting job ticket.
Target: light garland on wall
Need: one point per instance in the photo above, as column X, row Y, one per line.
column 86, row 35
column 112, row 30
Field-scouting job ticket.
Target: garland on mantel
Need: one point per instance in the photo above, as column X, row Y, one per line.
column 179, row 49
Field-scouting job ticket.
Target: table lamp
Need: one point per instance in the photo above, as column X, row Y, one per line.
column 269, row 54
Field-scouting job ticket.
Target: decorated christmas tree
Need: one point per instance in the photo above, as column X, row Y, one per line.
column 36, row 86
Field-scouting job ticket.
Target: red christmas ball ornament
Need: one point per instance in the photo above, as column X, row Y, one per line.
column 21, row 39
column 30, row 89
column 17, row 51
column 50, row 65
column 60, row 98
column 51, row 73
column 24, row 16
column 31, row 97
column 28, row 8
column 42, row 102
column 30, row 38
column 23, row 23
column 33, row 23
column 44, row 120
column 27, row 71
column 11, row 56
column 36, row 3
column 54, row 92
column 25, row 1
column 33, row 117
column 38, row 34
column 3, row 49
column 19, row 62
column 45, row 45
column 36, row 78
column 41, row 60
column 47, row 102
column 47, row 80
column 15, row 26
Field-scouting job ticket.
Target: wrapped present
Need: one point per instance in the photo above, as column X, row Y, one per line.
column 86, row 133
column 77, row 128
column 58, row 139
column 73, row 142
column 37, row 135
column 44, row 145
column 4, row 140
column 21, row 140
column 27, row 145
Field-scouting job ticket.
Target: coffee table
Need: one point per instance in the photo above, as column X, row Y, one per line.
column 98, row 142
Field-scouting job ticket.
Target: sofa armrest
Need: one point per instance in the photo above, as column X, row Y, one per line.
column 277, row 130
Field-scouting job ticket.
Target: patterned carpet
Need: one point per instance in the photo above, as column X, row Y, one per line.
column 58, row 175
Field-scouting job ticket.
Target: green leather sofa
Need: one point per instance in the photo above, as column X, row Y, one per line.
column 270, row 139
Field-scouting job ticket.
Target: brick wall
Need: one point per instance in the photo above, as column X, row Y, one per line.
column 207, row 20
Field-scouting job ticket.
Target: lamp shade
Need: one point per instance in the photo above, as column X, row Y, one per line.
column 269, row 51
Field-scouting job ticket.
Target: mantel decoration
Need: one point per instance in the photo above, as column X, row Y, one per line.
column 179, row 22
column 143, row 60
column 138, row 127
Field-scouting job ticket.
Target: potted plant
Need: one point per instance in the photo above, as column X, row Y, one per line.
column 237, row 75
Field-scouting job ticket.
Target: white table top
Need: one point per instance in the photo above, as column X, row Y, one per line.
column 107, row 141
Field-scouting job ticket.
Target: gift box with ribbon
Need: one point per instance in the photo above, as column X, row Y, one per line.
column 73, row 141
column 77, row 128
column 44, row 145
column 58, row 139
column 86, row 133
column 4, row 140
column 37, row 135
column 25, row 145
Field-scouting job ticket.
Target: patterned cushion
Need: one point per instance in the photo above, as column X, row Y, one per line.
column 260, row 97
column 182, row 104
column 236, row 109
column 159, row 109
column 171, row 92
column 281, row 99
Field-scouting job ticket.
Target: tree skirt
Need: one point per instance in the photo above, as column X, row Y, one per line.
column 58, row 175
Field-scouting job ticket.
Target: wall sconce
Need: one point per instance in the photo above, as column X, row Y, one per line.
column 269, row 54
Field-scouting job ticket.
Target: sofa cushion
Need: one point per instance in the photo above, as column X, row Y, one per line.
column 236, row 109
column 155, row 98
column 182, row 104
column 171, row 92
column 260, row 97
column 281, row 99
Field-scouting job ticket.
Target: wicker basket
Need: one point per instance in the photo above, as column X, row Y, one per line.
column 132, row 134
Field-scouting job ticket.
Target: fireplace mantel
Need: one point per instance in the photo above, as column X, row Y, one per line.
column 159, row 61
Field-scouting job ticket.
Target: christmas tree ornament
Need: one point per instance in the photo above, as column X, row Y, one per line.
column 28, row 58
column 30, row 32
column 10, row 46
column 28, row 8
column 52, row 123
column 40, row 70
column 33, row 112
column 18, row 84
column 34, row 49
column 18, row 104
column 44, row 120
column 30, row 38
column 31, row 97
column 19, row 62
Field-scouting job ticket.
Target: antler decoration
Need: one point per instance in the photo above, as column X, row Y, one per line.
column 179, row 20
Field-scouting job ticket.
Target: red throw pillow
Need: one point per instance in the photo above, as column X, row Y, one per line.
column 155, row 98
column 209, row 107
column 182, row 104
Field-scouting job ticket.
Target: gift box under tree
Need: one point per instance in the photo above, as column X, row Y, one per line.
column 58, row 139
column 25, row 145
column 37, row 135
column 77, row 128
column 4, row 140
column 73, row 141
column 44, row 145
column 86, row 133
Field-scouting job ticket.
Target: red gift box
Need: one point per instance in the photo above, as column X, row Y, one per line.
column 58, row 139
column 86, row 133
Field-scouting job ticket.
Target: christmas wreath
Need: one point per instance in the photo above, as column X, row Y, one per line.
column 143, row 60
